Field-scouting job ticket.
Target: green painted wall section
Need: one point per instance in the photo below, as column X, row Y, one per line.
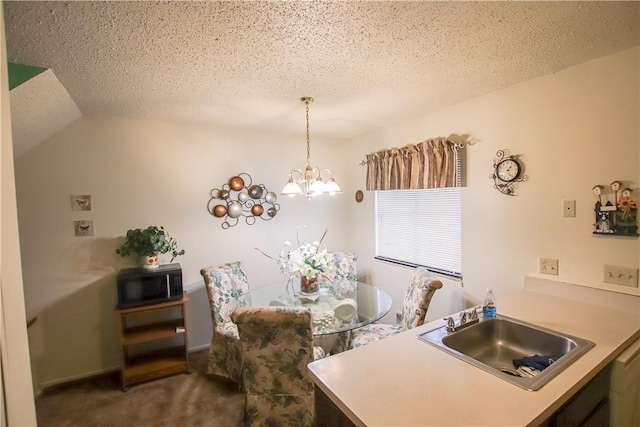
column 20, row 73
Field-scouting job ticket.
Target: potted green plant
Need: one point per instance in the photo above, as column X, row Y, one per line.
column 149, row 243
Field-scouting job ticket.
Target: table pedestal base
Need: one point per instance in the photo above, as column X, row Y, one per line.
column 326, row 341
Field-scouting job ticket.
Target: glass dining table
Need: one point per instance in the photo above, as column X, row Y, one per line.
column 339, row 306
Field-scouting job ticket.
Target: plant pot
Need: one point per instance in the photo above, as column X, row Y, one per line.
column 150, row 262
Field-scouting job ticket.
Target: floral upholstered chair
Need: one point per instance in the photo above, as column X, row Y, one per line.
column 227, row 288
column 345, row 268
column 417, row 298
column 277, row 346
column 344, row 285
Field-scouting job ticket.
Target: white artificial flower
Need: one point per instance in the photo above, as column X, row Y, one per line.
column 308, row 259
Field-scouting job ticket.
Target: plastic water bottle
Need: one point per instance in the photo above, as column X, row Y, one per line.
column 489, row 304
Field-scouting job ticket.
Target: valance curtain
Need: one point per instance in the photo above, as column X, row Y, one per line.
column 433, row 163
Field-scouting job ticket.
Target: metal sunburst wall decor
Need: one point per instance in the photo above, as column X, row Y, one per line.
column 241, row 198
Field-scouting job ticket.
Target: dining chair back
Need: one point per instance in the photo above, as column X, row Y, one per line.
column 344, row 268
column 343, row 285
column 345, row 265
column 277, row 346
column 417, row 299
column 227, row 287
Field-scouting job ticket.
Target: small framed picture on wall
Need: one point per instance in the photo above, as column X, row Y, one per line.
column 84, row 228
column 81, row 202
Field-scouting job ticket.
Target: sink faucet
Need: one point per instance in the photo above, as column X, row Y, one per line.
column 467, row 318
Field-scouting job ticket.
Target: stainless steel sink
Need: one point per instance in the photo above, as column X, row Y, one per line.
column 493, row 343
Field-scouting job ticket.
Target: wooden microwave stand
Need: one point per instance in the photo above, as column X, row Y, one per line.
column 157, row 363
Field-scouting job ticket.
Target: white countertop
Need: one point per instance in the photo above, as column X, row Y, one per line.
column 402, row 381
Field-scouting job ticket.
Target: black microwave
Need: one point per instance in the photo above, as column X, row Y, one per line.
column 141, row 286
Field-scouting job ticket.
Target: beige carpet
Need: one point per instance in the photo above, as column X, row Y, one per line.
column 194, row 399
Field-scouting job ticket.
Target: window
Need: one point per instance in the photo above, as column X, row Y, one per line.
column 420, row 228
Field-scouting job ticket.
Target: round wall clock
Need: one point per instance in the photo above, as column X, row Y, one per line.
column 507, row 170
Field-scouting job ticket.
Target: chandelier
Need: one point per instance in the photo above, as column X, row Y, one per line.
column 310, row 182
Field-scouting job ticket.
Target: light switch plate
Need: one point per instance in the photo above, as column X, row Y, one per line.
column 616, row 275
column 569, row 208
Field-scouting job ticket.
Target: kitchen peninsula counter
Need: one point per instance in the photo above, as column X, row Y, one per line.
column 403, row 381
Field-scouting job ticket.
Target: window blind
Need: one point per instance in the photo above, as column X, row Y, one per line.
column 420, row 228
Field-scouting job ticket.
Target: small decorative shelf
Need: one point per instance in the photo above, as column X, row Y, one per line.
column 145, row 365
column 616, row 234
column 617, row 217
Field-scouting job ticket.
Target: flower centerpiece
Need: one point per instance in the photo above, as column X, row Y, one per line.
column 308, row 261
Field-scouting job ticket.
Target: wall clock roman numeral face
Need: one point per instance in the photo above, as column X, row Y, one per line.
column 507, row 170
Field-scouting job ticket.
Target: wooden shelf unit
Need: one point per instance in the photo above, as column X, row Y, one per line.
column 157, row 363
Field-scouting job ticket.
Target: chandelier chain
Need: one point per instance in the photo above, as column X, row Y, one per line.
column 308, row 138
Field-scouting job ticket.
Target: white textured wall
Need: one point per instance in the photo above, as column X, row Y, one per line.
column 147, row 173
column 574, row 129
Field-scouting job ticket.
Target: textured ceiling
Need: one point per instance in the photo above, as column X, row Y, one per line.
column 246, row 64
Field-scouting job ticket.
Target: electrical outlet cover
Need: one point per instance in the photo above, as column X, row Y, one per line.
column 398, row 317
column 549, row 266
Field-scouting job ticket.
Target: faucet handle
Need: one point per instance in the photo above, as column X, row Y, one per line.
column 473, row 314
column 451, row 324
column 463, row 317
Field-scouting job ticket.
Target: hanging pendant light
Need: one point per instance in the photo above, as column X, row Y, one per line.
column 310, row 182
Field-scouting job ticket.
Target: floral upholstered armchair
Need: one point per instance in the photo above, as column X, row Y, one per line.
column 416, row 301
column 227, row 288
column 277, row 345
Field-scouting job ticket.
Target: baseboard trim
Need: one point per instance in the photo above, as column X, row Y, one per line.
column 192, row 287
column 200, row 347
column 65, row 380
column 61, row 381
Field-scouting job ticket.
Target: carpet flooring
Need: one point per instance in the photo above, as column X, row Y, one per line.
column 195, row 399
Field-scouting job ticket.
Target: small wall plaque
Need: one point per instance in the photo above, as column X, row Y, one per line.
column 84, row 228
column 81, row 202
